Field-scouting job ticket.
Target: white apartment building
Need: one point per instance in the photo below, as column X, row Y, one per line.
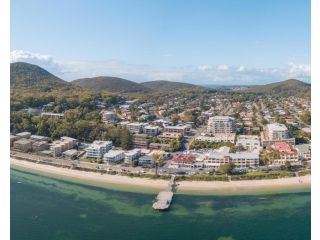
column 221, row 124
column 113, row 156
column 98, row 148
column 219, row 137
column 135, row 127
column 151, row 130
column 131, row 155
column 216, row 158
column 249, row 142
column 276, row 131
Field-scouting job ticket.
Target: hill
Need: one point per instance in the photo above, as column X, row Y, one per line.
column 164, row 86
column 112, row 84
column 290, row 87
column 26, row 76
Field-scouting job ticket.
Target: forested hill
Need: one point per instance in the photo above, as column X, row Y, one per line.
column 164, row 86
column 29, row 77
column 111, row 84
column 287, row 88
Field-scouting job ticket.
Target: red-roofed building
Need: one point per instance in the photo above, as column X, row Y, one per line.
column 283, row 152
column 184, row 161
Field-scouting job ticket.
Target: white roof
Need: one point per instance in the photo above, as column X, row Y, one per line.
column 113, row 153
column 277, row 127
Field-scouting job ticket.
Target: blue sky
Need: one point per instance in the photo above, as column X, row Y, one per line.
column 205, row 42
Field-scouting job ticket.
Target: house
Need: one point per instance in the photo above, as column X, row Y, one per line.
column 171, row 135
column 114, row 156
column 98, row 148
column 52, row 115
column 108, row 116
column 160, row 146
column 23, row 144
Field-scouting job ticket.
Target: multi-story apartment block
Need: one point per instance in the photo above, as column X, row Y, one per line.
column 135, row 127
column 219, row 157
column 283, row 152
column 276, row 132
column 221, row 124
column 151, row 130
column 140, row 141
column 113, row 156
column 98, row 148
column 249, row 142
column 131, row 155
column 59, row 146
column 176, row 129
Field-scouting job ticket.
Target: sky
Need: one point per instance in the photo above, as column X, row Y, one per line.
column 197, row 41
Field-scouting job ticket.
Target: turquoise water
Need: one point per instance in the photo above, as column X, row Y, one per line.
column 47, row 208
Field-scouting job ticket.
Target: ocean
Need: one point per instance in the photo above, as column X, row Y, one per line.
column 45, row 208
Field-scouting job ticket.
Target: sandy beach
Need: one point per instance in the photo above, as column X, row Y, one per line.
column 245, row 186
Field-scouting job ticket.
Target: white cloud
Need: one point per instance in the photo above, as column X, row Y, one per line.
column 202, row 74
column 223, row 67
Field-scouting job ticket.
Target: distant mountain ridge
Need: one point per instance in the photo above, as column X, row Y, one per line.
column 164, row 85
column 112, row 84
column 290, row 87
column 29, row 76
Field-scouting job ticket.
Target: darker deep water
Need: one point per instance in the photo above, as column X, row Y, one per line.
column 50, row 209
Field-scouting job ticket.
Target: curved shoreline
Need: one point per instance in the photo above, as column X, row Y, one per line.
column 185, row 187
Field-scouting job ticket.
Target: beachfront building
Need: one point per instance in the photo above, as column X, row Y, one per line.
column 140, row 140
column 242, row 160
column 276, row 132
column 219, row 137
column 39, row 138
column 282, row 152
column 249, row 142
column 131, row 155
column 151, row 130
column 23, row 144
column 304, row 151
column 24, row 135
column 221, row 124
column 52, row 115
column 146, row 161
column 13, row 138
column 135, row 127
column 184, row 161
column 98, row 148
column 114, row 156
column 59, row 146
column 40, row 146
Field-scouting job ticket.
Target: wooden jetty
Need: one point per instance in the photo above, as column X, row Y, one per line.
column 164, row 198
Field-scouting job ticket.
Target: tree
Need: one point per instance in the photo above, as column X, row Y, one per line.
column 227, row 168
column 306, row 118
column 126, row 139
column 287, row 166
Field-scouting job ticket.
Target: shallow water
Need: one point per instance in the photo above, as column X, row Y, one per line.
column 47, row 208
